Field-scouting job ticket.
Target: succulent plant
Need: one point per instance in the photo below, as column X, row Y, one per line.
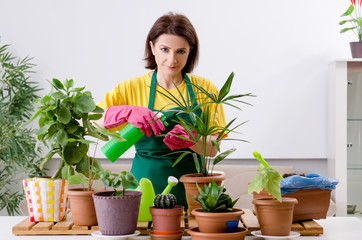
column 165, row 201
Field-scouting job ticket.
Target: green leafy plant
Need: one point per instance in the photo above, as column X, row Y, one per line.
column 114, row 180
column 354, row 12
column 214, row 199
column 17, row 156
column 204, row 126
column 267, row 178
column 65, row 116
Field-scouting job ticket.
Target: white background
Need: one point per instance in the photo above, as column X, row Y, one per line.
column 279, row 50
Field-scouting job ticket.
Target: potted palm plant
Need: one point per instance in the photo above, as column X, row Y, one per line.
column 274, row 213
column 216, row 215
column 200, row 129
column 117, row 211
column 65, row 116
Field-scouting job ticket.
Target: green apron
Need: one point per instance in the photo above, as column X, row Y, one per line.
column 150, row 162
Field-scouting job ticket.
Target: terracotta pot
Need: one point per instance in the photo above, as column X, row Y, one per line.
column 356, row 49
column 219, row 222
column 117, row 215
column 239, row 234
column 275, row 218
column 166, row 221
column 312, row 203
column 189, row 181
column 82, row 207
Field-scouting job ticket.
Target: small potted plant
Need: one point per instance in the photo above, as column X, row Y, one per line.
column 216, row 218
column 166, row 217
column 354, row 12
column 65, row 116
column 274, row 213
column 312, row 191
column 200, row 129
column 117, row 211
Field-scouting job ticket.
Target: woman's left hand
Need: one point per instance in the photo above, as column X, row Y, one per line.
column 174, row 142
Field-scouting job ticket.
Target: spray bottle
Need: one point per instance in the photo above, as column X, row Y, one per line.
column 113, row 149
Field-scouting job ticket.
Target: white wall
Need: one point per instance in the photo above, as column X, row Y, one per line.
column 279, row 51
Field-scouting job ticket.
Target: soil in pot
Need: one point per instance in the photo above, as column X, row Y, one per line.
column 275, row 218
column 218, row 222
column 189, row 181
column 117, row 215
column 239, row 234
column 82, row 207
column 166, row 221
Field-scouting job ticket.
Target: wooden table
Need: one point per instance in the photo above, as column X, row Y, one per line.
column 335, row 228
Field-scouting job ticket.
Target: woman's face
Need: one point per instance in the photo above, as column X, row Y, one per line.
column 171, row 53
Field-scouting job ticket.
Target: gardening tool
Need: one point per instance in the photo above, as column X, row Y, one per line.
column 113, row 149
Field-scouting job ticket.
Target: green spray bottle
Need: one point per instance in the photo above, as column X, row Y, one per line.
column 113, row 149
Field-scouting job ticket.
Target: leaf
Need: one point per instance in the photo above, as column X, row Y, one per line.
column 45, row 128
column 64, row 115
column 72, row 155
column 61, row 137
column 260, row 159
column 95, row 116
column 69, row 83
column 223, row 155
column 347, row 29
column 59, row 95
column 267, row 178
column 71, row 127
column 98, row 110
column 225, row 89
column 78, row 179
column 196, row 162
column 84, row 104
column 348, row 12
column 77, row 89
column 46, row 159
column 67, row 172
column 57, row 84
column 180, row 158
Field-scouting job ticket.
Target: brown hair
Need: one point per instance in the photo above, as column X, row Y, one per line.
column 175, row 24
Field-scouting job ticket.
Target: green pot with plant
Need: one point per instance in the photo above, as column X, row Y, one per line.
column 274, row 213
column 354, row 13
column 117, row 211
column 216, row 214
column 203, row 132
column 65, row 116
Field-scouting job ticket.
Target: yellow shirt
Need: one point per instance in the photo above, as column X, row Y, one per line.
column 136, row 92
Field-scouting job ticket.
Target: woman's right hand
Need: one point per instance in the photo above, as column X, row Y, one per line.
column 140, row 117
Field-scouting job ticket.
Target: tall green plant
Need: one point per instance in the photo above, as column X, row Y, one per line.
column 65, row 116
column 17, row 143
column 204, row 126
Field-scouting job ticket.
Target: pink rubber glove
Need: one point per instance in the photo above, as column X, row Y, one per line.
column 140, row 117
column 174, row 142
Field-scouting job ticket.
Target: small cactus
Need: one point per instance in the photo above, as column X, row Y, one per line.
column 165, row 201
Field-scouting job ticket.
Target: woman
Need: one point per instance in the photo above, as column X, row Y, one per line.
column 172, row 51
